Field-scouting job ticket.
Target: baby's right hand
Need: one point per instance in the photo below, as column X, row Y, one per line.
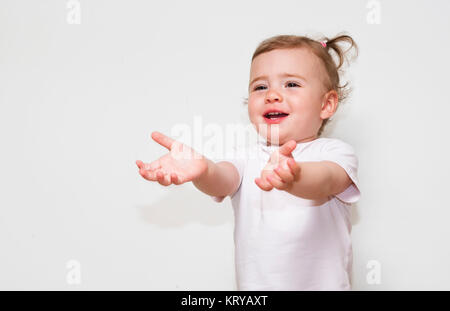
column 182, row 164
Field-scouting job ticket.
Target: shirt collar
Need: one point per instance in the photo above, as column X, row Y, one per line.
column 262, row 144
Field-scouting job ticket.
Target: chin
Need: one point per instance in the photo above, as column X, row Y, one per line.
column 277, row 141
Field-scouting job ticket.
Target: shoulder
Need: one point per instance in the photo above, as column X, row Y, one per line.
column 325, row 148
column 326, row 144
column 338, row 151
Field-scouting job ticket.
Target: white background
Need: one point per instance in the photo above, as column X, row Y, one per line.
column 78, row 103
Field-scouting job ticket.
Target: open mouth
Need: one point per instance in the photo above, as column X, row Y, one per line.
column 275, row 117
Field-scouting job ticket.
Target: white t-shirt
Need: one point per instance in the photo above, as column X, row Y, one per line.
column 284, row 242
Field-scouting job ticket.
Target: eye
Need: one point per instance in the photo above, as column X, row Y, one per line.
column 290, row 83
column 258, row 87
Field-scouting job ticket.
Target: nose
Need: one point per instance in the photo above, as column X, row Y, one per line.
column 273, row 96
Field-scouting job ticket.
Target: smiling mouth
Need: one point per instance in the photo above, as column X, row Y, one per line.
column 274, row 116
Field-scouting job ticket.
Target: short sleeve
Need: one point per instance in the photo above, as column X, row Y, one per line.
column 239, row 161
column 344, row 155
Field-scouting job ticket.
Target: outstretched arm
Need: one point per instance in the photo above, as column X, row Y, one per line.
column 308, row 180
column 220, row 179
column 319, row 180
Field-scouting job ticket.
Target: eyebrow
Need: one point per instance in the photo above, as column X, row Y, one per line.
column 284, row 74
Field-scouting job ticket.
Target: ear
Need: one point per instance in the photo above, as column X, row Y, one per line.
column 329, row 104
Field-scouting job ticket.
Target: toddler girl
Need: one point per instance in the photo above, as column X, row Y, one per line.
column 292, row 201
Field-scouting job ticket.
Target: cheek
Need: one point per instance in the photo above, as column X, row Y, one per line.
column 305, row 113
column 253, row 109
column 306, row 104
column 302, row 97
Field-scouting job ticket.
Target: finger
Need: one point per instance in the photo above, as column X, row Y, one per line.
column 175, row 179
column 162, row 139
column 139, row 164
column 285, row 175
column 276, row 183
column 162, row 179
column 295, row 168
column 263, row 185
column 151, row 176
column 287, row 148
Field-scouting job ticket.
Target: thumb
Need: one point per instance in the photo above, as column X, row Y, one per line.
column 162, row 139
column 288, row 147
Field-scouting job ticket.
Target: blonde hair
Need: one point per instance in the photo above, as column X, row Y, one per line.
column 332, row 69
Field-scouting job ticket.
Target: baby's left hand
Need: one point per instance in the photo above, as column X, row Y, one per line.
column 285, row 172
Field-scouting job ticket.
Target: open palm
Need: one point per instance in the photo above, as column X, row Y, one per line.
column 182, row 163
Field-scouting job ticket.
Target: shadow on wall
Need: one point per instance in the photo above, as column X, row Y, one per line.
column 184, row 205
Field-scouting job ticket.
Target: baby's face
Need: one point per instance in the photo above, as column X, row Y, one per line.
column 300, row 96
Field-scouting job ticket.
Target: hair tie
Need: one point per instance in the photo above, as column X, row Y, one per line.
column 324, row 44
